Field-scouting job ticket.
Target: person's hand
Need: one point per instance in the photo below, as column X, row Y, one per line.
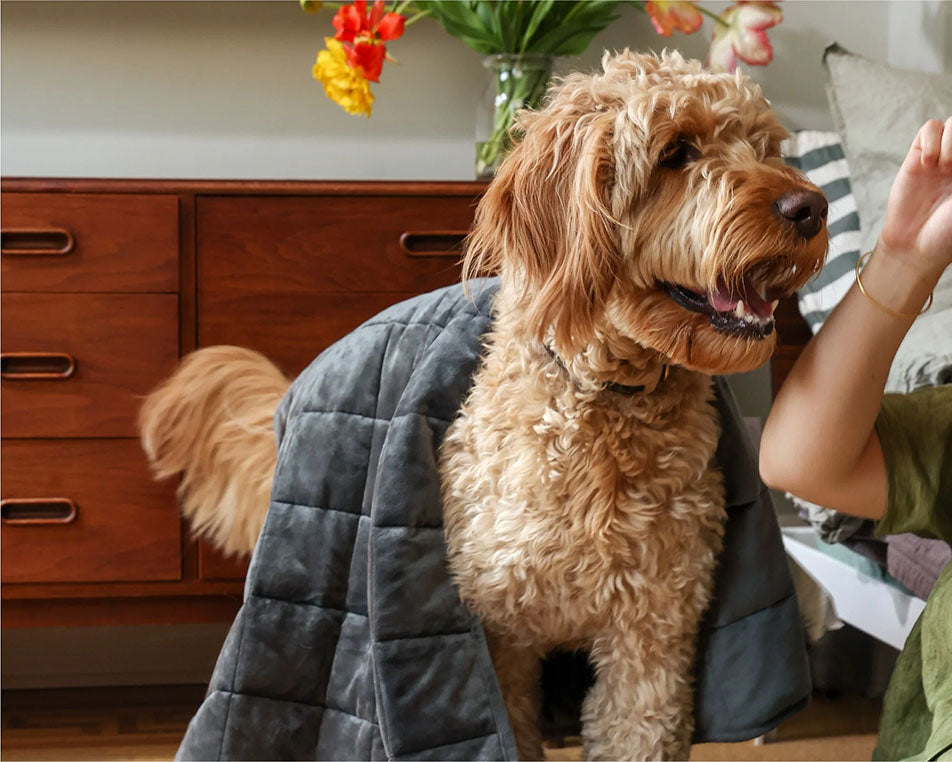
column 918, row 225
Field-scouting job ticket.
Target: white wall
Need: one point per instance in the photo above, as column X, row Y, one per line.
column 224, row 89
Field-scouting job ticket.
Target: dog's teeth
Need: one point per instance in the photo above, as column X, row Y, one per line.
column 773, row 305
column 740, row 310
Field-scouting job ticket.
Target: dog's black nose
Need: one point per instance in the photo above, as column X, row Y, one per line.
column 805, row 209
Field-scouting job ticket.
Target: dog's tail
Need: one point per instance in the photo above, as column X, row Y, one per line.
column 211, row 422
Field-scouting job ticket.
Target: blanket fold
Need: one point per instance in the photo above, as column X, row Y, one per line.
column 352, row 642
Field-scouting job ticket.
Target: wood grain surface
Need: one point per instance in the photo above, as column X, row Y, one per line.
column 126, row 527
column 288, row 276
column 147, row 723
column 123, row 344
column 212, row 565
column 123, row 243
column 793, row 333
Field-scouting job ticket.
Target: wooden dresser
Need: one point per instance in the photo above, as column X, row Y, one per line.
column 105, row 284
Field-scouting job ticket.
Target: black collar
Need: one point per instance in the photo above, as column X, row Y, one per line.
column 611, row 386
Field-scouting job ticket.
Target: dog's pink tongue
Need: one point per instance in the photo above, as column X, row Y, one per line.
column 756, row 304
column 722, row 301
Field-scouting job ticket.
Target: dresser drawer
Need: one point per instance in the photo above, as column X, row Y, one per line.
column 101, row 517
column 89, row 242
column 107, row 351
column 213, row 565
column 330, row 244
column 289, row 329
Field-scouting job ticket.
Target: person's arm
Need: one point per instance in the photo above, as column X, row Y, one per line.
column 819, row 441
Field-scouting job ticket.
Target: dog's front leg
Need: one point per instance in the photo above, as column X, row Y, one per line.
column 518, row 670
column 640, row 707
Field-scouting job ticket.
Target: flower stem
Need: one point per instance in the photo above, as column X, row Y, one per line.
column 706, row 12
column 522, row 88
column 415, row 17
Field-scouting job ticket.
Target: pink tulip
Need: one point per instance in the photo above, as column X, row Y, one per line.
column 740, row 33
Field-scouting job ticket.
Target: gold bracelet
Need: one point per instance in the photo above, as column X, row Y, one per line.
column 883, row 307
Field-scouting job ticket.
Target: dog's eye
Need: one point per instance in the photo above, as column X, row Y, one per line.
column 678, row 153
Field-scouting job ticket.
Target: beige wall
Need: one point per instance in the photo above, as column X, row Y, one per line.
column 224, row 89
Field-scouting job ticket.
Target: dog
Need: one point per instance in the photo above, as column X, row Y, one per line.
column 643, row 227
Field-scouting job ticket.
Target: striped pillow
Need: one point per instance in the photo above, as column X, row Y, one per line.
column 819, row 155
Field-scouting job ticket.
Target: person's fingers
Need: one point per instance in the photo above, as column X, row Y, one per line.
column 930, row 142
column 945, row 151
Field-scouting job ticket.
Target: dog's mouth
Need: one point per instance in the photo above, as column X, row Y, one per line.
column 745, row 312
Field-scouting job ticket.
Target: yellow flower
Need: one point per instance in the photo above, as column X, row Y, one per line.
column 342, row 83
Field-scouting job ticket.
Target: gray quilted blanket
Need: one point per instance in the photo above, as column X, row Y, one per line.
column 352, row 642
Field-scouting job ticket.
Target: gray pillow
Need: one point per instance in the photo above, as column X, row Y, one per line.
column 877, row 110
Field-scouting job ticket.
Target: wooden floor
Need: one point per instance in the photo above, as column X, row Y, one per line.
column 828, row 729
column 840, row 729
column 147, row 724
column 97, row 723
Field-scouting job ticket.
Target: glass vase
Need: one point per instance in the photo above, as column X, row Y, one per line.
column 516, row 81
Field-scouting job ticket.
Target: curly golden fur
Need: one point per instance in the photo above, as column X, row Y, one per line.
column 577, row 516
column 635, row 218
column 211, row 422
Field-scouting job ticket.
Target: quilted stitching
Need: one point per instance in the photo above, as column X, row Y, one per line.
column 352, row 642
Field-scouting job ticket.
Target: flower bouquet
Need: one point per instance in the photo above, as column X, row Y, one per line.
column 520, row 39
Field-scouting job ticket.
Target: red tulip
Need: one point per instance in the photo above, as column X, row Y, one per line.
column 390, row 26
column 362, row 34
column 353, row 22
column 348, row 22
column 367, row 58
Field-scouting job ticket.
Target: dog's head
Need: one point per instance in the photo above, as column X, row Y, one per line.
column 650, row 202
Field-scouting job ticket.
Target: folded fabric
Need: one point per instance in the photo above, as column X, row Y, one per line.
column 925, row 356
column 916, row 562
column 832, row 526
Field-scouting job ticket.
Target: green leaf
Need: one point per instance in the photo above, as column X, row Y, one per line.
column 577, row 28
column 460, row 20
column 490, row 22
column 578, row 42
column 505, row 14
column 540, row 11
column 557, row 27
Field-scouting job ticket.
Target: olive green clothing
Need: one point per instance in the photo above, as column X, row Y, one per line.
column 915, row 431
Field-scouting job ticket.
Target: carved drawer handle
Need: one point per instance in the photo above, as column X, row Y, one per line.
column 436, row 243
column 35, row 366
column 37, row 510
column 36, row 242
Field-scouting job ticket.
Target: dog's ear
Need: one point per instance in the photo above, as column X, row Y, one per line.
column 545, row 223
